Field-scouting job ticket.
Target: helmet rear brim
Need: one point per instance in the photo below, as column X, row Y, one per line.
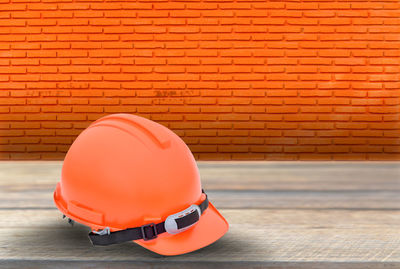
column 211, row 226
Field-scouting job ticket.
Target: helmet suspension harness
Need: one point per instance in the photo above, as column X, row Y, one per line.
column 174, row 224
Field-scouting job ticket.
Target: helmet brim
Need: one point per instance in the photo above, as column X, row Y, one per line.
column 211, row 226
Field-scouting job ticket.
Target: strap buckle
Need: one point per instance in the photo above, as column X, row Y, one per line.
column 153, row 228
column 183, row 220
column 105, row 231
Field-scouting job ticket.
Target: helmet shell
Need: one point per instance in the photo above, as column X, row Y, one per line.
column 126, row 171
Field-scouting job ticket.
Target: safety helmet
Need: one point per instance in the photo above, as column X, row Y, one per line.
column 131, row 179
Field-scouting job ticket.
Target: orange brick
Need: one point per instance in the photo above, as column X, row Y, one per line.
column 267, row 101
column 368, row 133
column 391, row 133
column 264, row 133
column 282, row 109
column 235, row 133
column 56, row 125
column 282, row 93
column 298, row 133
column 390, row 149
column 203, row 148
column 249, row 109
column 216, row 93
column 24, row 109
column 25, row 77
column 119, row 109
column 351, row 125
column 55, row 77
column 266, row 148
column 200, row 133
column 350, row 109
column 166, row 117
column 385, row 125
column 216, row 109
column 24, row 125
column 296, row 149
column 281, row 141
column 88, row 109
column 366, row 149
column 315, row 141
column 299, row 101
column 300, row 117
column 73, row 69
column 103, row 101
column 233, row 148
column 41, row 148
column 384, row 141
column 249, row 125
column 366, row 102
column 24, row 140
column 333, row 133
column 135, row 101
column 71, row 117
column 12, row 101
column 233, row 117
column 41, row 117
column 266, row 117
column 12, row 148
column 333, row 149
column 56, row 140
column 216, row 125
column 349, row 141
column 317, row 125
column 42, row 69
column 247, row 141
column 56, row 109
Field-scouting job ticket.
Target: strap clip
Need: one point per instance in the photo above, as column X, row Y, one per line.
column 183, row 220
column 153, row 229
column 105, row 231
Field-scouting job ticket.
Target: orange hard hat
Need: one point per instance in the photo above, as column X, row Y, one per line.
column 131, row 179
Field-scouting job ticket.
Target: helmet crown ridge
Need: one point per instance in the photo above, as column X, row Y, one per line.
column 150, row 129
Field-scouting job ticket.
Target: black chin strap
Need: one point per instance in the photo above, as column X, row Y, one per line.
column 145, row 232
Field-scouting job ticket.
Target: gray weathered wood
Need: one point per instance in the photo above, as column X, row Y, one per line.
column 270, row 185
column 310, row 176
column 255, row 235
column 281, row 215
column 26, row 199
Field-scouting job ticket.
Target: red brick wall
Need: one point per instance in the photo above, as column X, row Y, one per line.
column 235, row 79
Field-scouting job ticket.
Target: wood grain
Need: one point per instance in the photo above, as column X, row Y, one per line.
column 310, row 176
column 255, row 235
column 361, row 200
column 281, row 215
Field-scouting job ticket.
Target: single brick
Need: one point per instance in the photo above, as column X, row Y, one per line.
column 333, row 149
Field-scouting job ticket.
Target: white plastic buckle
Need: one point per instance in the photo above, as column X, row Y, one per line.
column 171, row 225
column 103, row 232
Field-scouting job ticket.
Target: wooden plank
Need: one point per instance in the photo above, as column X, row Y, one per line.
column 272, row 176
column 268, row 185
column 314, row 176
column 26, row 199
column 201, row 264
column 264, row 236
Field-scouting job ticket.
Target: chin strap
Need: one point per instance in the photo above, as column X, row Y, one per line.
column 148, row 231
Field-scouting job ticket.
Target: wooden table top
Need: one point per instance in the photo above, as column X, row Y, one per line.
column 281, row 215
